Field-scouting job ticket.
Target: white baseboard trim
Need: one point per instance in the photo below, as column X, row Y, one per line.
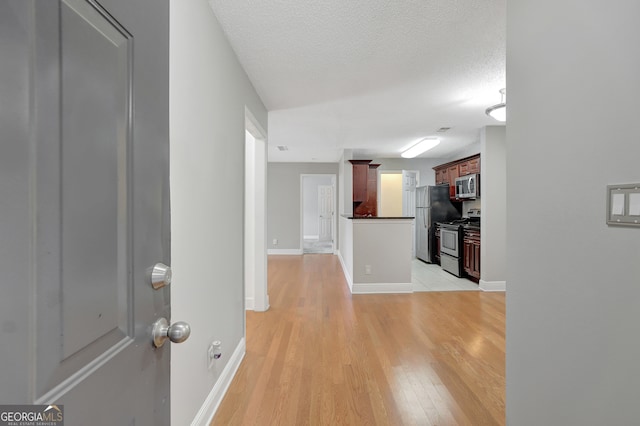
column 379, row 288
column 266, row 308
column 249, row 304
column 345, row 271
column 285, row 251
column 311, row 237
column 211, row 404
column 493, row 285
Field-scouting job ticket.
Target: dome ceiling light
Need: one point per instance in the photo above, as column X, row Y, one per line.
column 499, row 111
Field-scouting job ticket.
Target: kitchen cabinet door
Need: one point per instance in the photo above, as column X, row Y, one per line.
column 476, row 260
column 467, row 255
column 471, row 254
column 360, row 182
column 473, row 166
column 453, row 173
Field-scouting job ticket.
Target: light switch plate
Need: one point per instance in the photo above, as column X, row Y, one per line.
column 623, row 204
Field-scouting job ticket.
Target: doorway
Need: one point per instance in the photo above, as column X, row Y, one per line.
column 397, row 189
column 317, row 213
column 255, row 223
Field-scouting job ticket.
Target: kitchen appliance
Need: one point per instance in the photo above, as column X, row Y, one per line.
column 451, row 247
column 432, row 205
column 451, row 240
column 468, row 187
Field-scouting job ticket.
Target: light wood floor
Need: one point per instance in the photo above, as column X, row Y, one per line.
column 321, row 356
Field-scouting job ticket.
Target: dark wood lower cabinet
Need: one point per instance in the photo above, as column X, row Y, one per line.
column 437, row 246
column 471, row 254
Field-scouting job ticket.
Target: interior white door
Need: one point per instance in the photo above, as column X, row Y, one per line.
column 97, row 163
column 325, row 212
column 409, row 184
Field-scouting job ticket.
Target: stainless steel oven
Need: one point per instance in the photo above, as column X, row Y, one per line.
column 451, row 248
column 450, row 240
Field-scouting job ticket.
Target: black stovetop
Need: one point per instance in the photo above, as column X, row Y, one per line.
column 461, row 222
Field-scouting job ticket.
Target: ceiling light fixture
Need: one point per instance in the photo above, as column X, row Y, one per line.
column 423, row 146
column 499, row 111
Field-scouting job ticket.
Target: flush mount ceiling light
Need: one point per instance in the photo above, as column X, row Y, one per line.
column 423, row 146
column 499, row 111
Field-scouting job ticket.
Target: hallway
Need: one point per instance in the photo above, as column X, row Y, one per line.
column 323, row 356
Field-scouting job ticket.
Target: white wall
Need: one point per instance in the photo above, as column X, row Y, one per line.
column 573, row 282
column 209, row 91
column 255, row 223
column 423, row 165
column 385, row 246
column 345, row 182
column 249, row 222
column 283, row 202
column 346, row 248
column 390, row 196
column 493, row 191
column 467, row 151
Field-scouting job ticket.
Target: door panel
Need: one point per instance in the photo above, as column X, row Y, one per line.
column 95, row 151
column 98, row 167
column 409, row 184
column 325, row 206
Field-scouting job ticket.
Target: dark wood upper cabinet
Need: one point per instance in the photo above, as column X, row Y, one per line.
column 470, row 166
column 372, row 191
column 360, row 180
column 365, row 188
column 447, row 173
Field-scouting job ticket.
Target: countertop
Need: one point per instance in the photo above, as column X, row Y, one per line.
column 376, row 217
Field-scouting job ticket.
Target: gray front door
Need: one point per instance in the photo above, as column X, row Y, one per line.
column 84, row 154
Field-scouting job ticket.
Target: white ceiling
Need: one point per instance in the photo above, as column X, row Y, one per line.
column 374, row 76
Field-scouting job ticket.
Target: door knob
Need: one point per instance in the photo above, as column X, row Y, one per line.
column 177, row 332
column 160, row 276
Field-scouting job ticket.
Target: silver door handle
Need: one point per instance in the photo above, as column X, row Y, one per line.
column 177, row 332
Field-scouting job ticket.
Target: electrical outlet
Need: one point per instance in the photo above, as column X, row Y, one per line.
column 367, row 269
column 275, row 241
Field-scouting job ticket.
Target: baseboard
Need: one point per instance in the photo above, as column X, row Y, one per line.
column 249, row 304
column 311, row 237
column 211, row 404
column 345, row 271
column 379, row 288
column 493, row 285
column 285, row 251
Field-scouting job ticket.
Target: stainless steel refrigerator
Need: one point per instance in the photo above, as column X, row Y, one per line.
column 432, row 206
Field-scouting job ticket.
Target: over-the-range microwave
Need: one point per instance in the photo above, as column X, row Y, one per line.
column 468, row 186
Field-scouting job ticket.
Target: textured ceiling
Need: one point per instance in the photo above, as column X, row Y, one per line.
column 370, row 75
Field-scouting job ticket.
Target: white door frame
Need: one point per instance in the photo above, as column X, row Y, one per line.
column 255, row 287
column 334, row 223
